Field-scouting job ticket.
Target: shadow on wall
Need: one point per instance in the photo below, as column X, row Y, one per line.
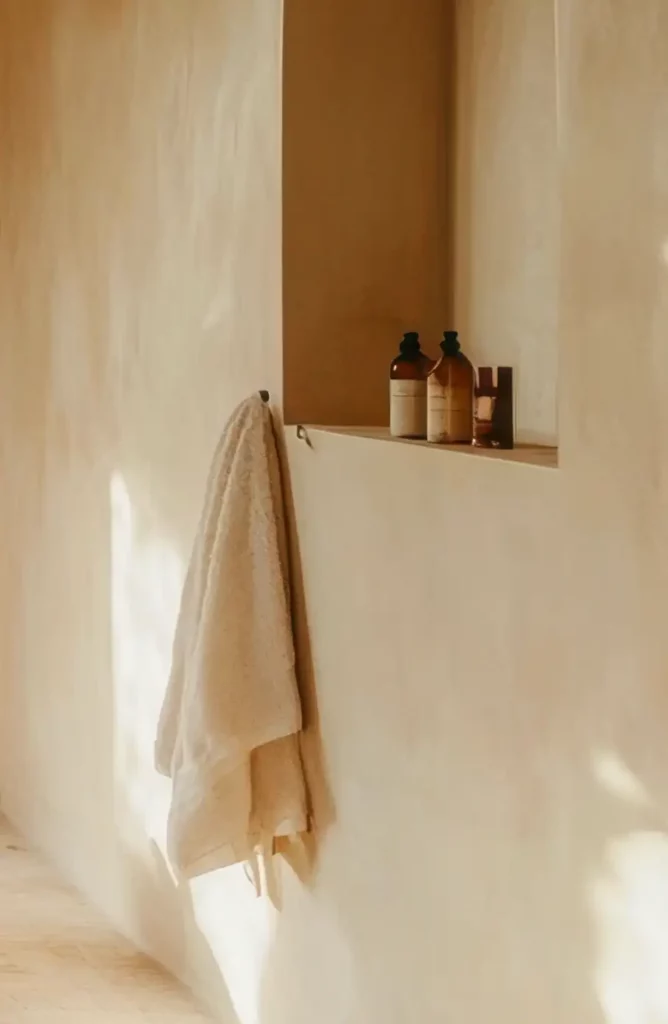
column 51, row 452
column 22, row 401
column 322, row 810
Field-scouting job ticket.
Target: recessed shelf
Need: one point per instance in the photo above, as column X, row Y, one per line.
column 525, row 454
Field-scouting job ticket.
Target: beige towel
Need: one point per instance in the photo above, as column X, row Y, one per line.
column 227, row 732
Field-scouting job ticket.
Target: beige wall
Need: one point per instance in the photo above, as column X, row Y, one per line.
column 506, row 222
column 487, row 639
column 139, row 299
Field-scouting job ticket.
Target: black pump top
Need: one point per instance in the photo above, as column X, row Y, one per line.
column 410, row 343
column 450, row 345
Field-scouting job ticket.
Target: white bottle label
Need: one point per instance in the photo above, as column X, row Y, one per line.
column 449, row 414
column 408, row 408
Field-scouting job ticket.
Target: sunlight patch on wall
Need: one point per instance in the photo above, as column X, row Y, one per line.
column 619, row 780
column 147, row 577
column 238, row 929
column 146, row 584
column 629, row 903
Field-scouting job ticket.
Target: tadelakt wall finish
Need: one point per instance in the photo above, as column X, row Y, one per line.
column 139, row 300
column 486, row 639
column 506, row 200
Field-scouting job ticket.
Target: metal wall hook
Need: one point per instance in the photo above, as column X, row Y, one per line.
column 302, row 434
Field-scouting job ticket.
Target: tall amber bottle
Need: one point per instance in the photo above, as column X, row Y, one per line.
column 408, row 389
column 450, row 395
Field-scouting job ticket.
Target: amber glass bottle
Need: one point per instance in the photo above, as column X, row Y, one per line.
column 450, row 395
column 408, row 389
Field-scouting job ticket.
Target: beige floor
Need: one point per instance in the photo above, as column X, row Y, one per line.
column 61, row 964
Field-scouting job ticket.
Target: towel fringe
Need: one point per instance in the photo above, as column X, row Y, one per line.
column 261, row 861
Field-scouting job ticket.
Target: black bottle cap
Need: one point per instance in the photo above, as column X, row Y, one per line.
column 410, row 342
column 450, row 344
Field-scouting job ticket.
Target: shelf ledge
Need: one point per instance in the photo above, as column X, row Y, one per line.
column 541, row 456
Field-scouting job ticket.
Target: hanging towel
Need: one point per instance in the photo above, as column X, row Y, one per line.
column 227, row 735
